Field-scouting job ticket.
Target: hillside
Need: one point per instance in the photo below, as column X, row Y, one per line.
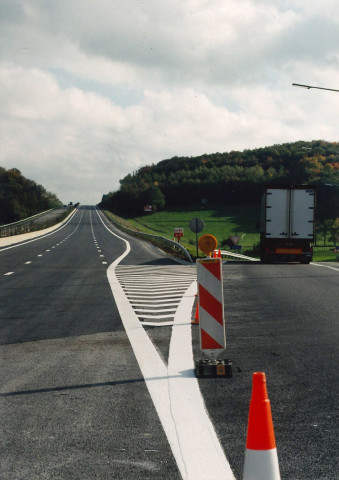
column 233, row 178
column 21, row 198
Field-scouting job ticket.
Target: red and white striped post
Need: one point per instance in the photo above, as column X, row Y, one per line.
column 211, row 307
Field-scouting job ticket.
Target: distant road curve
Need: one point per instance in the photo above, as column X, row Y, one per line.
column 16, row 239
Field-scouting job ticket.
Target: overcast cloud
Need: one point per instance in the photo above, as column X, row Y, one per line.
column 92, row 90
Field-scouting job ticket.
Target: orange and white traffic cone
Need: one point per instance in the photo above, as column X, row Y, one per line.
column 219, row 253
column 261, row 458
column 196, row 317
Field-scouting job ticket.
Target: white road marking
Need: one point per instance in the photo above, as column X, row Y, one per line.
column 27, row 263
column 40, row 255
column 325, row 266
column 176, row 396
column 9, row 273
column 160, row 310
column 158, row 324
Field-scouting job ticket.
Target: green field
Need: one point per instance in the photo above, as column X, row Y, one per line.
column 221, row 221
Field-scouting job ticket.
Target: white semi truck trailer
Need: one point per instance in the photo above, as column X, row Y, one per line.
column 287, row 223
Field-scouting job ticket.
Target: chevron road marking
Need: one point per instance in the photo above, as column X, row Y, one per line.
column 149, row 290
column 176, row 396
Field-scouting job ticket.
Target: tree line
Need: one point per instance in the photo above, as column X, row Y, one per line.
column 231, row 178
column 21, row 198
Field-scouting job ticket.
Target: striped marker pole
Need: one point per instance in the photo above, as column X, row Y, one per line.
column 261, row 458
column 211, row 307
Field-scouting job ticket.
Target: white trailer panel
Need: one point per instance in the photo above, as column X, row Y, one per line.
column 302, row 210
column 277, row 217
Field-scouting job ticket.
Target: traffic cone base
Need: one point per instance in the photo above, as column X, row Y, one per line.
column 261, row 465
column 261, row 459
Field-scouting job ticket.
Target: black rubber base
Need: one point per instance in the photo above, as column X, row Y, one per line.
column 217, row 368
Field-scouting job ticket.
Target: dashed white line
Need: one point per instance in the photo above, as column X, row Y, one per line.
column 9, row 273
column 27, row 263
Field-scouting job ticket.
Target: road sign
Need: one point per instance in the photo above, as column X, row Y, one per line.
column 235, row 239
column 211, row 307
column 207, row 243
column 178, row 233
column 197, row 225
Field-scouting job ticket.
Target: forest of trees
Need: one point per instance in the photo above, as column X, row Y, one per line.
column 231, row 178
column 21, row 198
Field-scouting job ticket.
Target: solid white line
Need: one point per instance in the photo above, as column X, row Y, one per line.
column 199, row 444
column 176, row 395
column 324, row 266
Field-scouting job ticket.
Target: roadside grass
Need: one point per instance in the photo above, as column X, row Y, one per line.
column 221, row 221
column 324, row 254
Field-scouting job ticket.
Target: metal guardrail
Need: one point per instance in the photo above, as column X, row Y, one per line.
column 30, row 224
column 166, row 242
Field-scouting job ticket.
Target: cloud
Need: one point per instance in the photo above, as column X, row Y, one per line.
column 93, row 90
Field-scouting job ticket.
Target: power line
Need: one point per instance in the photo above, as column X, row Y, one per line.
column 309, row 86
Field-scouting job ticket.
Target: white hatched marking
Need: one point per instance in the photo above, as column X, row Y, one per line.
column 158, row 324
column 154, row 292
column 161, row 310
column 157, row 289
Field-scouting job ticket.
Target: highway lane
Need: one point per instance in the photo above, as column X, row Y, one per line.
column 74, row 402
column 282, row 320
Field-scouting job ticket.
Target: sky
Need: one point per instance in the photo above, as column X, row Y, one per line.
column 92, row 90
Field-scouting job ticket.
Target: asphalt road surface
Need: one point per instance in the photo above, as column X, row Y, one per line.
column 76, row 402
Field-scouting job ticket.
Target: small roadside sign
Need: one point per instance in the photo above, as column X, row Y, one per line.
column 178, row 233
